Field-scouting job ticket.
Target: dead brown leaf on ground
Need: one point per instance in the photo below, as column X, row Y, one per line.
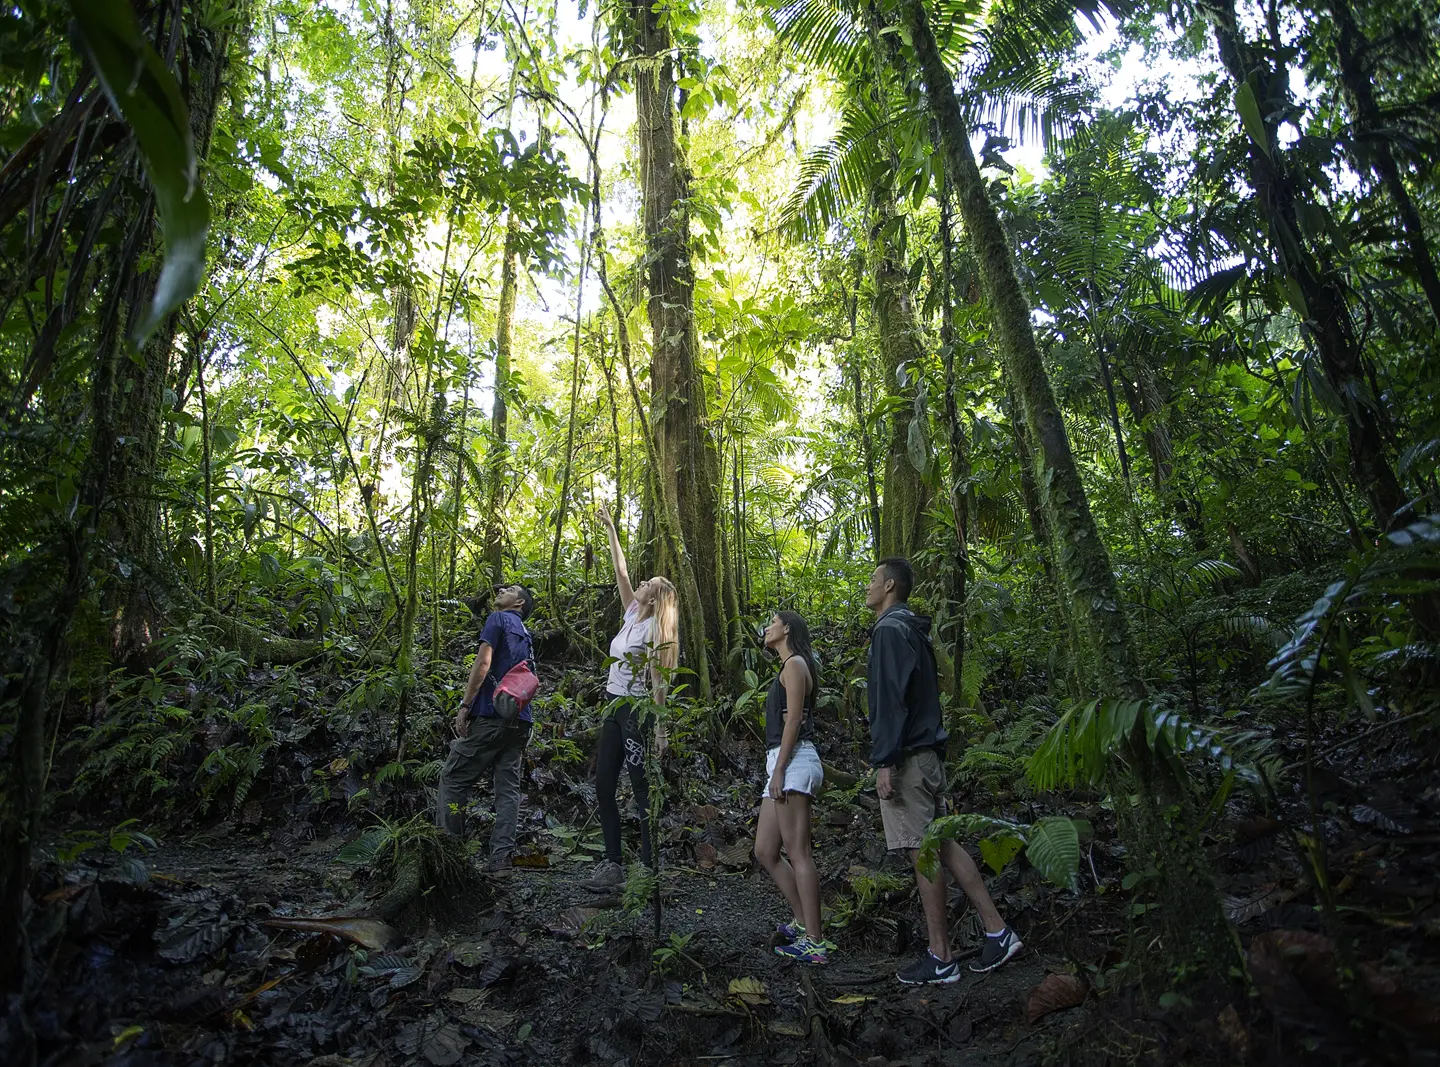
column 366, row 932
column 1055, row 993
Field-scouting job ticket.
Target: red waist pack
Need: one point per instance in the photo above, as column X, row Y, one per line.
column 514, row 692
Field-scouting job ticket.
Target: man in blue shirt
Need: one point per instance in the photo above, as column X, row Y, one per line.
column 482, row 740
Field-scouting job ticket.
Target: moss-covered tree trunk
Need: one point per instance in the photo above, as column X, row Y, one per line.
column 58, row 570
column 689, row 459
column 1370, row 146
column 1316, row 288
column 1082, row 559
column 867, row 451
column 902, row 350
column 133, row 531
column 497, row 466
column 959, row 441
column 1149, row 410
column 1191, row 913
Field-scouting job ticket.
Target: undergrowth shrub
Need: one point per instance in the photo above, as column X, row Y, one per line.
column 231, row 769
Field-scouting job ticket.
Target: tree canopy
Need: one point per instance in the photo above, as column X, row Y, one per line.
column 321, row 321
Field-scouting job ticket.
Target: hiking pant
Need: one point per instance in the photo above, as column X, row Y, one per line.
column 488, row 744
column 622, row 744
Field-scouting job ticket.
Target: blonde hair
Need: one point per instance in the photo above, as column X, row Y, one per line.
column 665, row 630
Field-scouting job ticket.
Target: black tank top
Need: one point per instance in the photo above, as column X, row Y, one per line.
column 775, row 712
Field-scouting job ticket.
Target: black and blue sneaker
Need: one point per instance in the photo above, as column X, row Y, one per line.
column 927, row 970
column 997, row 949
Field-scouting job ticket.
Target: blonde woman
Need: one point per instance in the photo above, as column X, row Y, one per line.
column 645, row 648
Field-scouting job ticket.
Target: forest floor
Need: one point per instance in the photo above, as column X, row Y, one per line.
column 185, row 957
column 533, row 969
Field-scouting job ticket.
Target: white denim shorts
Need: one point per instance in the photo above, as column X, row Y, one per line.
column 803, row 774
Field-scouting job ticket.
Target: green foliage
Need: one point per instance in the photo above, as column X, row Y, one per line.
column 133, row 749
column 996, row 754
column 641, row 887
column 413, row 859
column 1052, row 844
column 672, row 952
column 1405, row 564
column 1082, row 744
column 118, row 841
column 146, row 94
column 868, row 890
column 232, row 768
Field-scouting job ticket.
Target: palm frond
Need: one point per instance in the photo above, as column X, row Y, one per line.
column 822, row 33
column 1014, row 73
column 838, row 175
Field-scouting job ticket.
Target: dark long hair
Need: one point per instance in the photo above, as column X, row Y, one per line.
column 799, row 640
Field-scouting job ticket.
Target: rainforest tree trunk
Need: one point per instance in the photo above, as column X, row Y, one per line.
column 678, row 398
column 563, row 504
column 902, row 514
column 1150, row 411
column 1081, row 556
column 1319, row 288
column 498, row 465
column 664, row 508
column 1191, row 912
column 1370, row 148
column 867, row 448
column 134, row 530
column 959, row 456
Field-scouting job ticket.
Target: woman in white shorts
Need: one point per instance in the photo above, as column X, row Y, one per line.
column 793, row 778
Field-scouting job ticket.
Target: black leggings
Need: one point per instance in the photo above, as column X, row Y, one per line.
column 622, row 744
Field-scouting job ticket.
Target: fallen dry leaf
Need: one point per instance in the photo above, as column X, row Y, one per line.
column 706, row 855
column 571, row 922
column 467, row 997
column 749, row 991
column 704, row 814
column 1057, row 992
column 369, row 933
column 444, row 1046
column 737, row 855
column 789, row 1028
column 1234, row 1033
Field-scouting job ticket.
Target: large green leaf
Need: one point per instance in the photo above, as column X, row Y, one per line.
column 148, row 97
column 1054, row 849
column 998, row 851
column 1248, row 105
column 364, row 848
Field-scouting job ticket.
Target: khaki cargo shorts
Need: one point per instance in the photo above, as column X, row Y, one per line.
column 919, row 797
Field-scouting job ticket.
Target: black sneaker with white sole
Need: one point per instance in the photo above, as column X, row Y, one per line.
column 997, row 950
column 927, row 970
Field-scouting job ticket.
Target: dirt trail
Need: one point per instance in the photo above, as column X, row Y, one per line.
column 182, row 970
column 565, row 981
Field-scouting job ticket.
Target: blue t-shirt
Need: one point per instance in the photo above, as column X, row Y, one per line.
column 510, row 644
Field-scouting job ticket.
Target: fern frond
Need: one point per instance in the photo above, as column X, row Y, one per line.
column 1088, row 737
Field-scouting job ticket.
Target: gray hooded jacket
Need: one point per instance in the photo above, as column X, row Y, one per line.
column 903, row 688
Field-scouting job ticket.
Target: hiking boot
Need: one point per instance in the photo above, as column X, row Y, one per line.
column 498, row 864
column 927, row 970
column 791, row 931
column 997, row 949
column 805, row 950
column 606, row 878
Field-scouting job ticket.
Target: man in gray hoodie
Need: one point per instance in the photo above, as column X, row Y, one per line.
column 908, row 751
